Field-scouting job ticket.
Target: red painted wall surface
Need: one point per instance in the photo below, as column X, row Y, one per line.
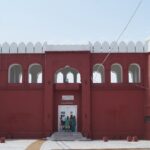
column 118, row 109
column 114, row 110
column 21, row 113
column 147, row 101
column 117, row 114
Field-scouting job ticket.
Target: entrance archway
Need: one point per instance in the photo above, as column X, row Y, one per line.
column 67, row 75
column 67, row 95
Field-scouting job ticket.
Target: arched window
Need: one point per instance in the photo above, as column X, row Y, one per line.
column 70, row 77
column 35, row 73
column 39, row 79
column 78, row 78
column 15, row 73
column 98, row 73
column 116, row 73
column 134, row 73
column 67, row 75
column 60, row 78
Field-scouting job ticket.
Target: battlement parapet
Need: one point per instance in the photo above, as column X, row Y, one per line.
column 96, row 47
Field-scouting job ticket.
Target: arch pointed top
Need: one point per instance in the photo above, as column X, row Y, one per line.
column 35, row 73
column 98, row 73
column 116, row 73
column 68, row 75
column 134, row 73
column 15, row 73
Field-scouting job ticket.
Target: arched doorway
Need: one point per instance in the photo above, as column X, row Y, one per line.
column 67, row 99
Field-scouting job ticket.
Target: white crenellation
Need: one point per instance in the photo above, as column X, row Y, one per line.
column 38, row 48
column 114, row 47
column 21, row 48
column 105, row 47
column 96, row 47
column 139, row 47
column 30, row 48
column 131, row 47
column 44, row 46
column 13, row 48
column 122, row 47
column 5, row 48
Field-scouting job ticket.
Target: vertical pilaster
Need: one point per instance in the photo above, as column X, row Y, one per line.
column 86, row 100
column 48, row 97
column 147, row 102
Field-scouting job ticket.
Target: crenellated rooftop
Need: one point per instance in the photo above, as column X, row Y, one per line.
column 97, row 47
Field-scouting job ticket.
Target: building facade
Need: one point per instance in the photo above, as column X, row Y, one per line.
column 106, row 87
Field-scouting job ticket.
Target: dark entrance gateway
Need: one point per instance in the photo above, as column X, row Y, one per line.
column 70, row 112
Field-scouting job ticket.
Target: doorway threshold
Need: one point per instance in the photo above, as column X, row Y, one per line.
column 67, row 136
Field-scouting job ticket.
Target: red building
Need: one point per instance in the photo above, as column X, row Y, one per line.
column 107, row 92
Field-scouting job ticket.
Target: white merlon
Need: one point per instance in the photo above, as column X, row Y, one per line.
column 96, row 47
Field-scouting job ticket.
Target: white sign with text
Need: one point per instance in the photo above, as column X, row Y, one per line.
column 68, row 97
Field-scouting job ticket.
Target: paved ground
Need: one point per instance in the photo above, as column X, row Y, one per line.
column 98, row 144
column 35, row 145
column 15, row 144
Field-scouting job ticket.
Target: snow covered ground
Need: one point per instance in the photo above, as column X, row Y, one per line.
column 96, row 144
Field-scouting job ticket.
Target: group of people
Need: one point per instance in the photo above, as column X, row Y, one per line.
column 68, row 123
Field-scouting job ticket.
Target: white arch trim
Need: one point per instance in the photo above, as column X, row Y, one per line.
column 97, row 71
column 72, row 70
column 9, row 68
column 120, row 66
column 29, row 75
column 139, row 69
column 31, row 65
column 70, row 77
column 59, row 77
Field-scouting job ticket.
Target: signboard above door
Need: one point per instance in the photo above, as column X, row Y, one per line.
column 68, row 97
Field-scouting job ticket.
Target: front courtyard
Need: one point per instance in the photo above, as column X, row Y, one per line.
column 33, row 144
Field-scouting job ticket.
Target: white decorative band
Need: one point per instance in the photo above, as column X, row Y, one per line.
column 97, row 47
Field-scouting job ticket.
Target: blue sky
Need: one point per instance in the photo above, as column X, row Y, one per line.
column 72, row 21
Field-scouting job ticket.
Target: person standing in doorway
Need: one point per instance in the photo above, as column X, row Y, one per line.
column 71, row 121
column 73, row 124
column 67, row 126
column 63, row 122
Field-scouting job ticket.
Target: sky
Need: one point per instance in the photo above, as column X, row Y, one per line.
column 72, row 21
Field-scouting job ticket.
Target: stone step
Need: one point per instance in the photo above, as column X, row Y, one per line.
column 67, row 136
